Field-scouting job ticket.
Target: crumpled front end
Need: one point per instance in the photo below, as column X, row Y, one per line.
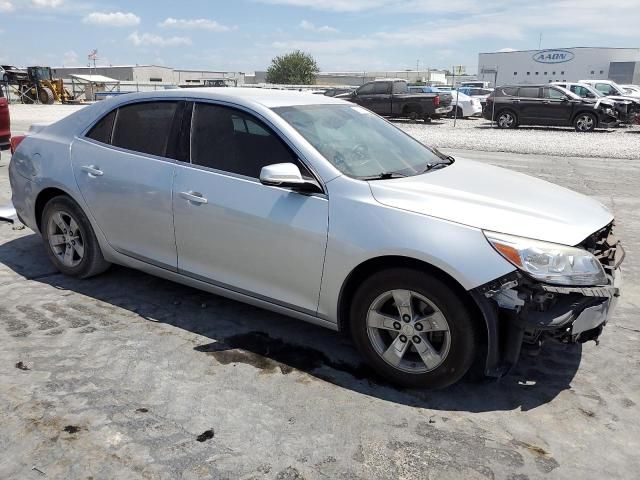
column 528, row 312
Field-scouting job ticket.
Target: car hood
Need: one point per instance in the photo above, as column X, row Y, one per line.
column 496, row 199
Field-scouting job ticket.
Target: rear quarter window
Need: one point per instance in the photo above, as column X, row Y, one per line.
column 101, row 131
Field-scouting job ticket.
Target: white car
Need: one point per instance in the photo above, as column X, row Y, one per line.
column 632, row 90
column 319, row 209
column 609, row 87
column 463, row 105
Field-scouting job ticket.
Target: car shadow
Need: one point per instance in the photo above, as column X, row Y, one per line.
column 488, row 126
column 235, row 333
column 406, row 121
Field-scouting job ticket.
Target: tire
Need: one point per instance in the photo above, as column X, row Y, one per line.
column 453, row 338
column 427, row 119
column 585, row 122
column 5, row 78
column 45, row 95
column 459, row 114
column 507, row 119
column 65, row 228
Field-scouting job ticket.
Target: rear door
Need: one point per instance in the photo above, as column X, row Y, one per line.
column 529, row 105
column 124, row 169
column 382, row 98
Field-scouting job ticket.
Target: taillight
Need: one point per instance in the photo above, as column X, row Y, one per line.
column 15, row 141
column 436, row 101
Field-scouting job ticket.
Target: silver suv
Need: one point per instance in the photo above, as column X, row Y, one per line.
column 321, row 210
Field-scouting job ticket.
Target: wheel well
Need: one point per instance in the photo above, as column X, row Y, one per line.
column 582, row 112
column 375, row 265
column 43, row 198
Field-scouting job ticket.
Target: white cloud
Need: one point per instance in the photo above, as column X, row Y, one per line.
column 70, row 58
column 47, row 3
column 197, row 23
column 113, row 19
column 333, row 5
column 149, row 39
column 6, row 6
column 310, row 27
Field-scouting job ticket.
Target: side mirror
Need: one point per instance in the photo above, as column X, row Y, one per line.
column 287, row 175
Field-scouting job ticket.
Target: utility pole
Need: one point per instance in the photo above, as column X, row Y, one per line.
column 540, row 42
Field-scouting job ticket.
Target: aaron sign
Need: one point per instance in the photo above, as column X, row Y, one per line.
column 553, row 56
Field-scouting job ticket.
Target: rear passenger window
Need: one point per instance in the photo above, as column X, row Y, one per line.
column 529, row 92
column 144, row 127
column 232, row 141
column 382, row 87
column 101, row 131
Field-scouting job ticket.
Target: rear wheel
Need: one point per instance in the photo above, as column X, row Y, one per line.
column 413, row 329
column 507, row 119
column 585, row 122
column 69, row 239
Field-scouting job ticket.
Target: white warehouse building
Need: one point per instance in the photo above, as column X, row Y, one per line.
column 563, row 64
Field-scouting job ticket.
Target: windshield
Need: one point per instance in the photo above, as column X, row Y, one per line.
column 359, row 143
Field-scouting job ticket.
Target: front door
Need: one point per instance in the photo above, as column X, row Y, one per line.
column 124, row 174
column 556, row 107
column 234, row 232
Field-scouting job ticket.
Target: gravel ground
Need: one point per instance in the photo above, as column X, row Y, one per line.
column 477, row 134
column 469, row 134
column 129, row 376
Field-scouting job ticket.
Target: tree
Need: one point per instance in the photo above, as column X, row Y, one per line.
column 295, row 68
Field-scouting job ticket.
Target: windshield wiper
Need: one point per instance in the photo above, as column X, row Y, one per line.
column 383, row 176
column 437, row 165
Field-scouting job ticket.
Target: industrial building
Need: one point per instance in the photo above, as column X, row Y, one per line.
column 359, row 78
column 563, row 64
column 146, row 74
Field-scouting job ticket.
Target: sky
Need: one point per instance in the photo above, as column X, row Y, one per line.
column 342, row 35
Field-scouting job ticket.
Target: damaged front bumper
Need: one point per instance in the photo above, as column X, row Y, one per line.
column 521, row 312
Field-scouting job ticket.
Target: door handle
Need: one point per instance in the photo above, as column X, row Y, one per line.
column 92, row 170
column 194, row 197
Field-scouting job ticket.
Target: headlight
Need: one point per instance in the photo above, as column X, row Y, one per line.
column 549, row 262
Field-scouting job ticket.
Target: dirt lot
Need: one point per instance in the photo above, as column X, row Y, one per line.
column 129, row 376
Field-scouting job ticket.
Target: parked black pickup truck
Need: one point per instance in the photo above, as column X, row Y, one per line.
column 391, row 98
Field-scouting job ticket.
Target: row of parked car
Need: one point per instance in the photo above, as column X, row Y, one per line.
column 585, row 105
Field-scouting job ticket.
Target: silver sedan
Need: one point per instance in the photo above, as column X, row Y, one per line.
column 319, row 209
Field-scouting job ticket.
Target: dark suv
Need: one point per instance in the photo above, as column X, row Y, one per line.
column 510, row 106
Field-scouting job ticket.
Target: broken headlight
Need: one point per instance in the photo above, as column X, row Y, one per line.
column 549, row 262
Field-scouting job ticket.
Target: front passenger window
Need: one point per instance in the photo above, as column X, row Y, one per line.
column 230, row 140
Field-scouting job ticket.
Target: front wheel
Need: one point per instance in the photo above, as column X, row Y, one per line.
column 413, row 329
column 585, row 122
column 69, row 239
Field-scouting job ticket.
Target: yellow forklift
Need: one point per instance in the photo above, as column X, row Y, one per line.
column 41, row 86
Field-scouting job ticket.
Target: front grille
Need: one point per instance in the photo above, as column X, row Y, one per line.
column 606, row 247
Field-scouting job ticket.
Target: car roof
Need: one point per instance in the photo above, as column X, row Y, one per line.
column 269, row 98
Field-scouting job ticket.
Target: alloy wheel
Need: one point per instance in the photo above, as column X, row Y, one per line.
column 65, row 239
column 585, row 123
column 506, row 120
column 408, row 331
